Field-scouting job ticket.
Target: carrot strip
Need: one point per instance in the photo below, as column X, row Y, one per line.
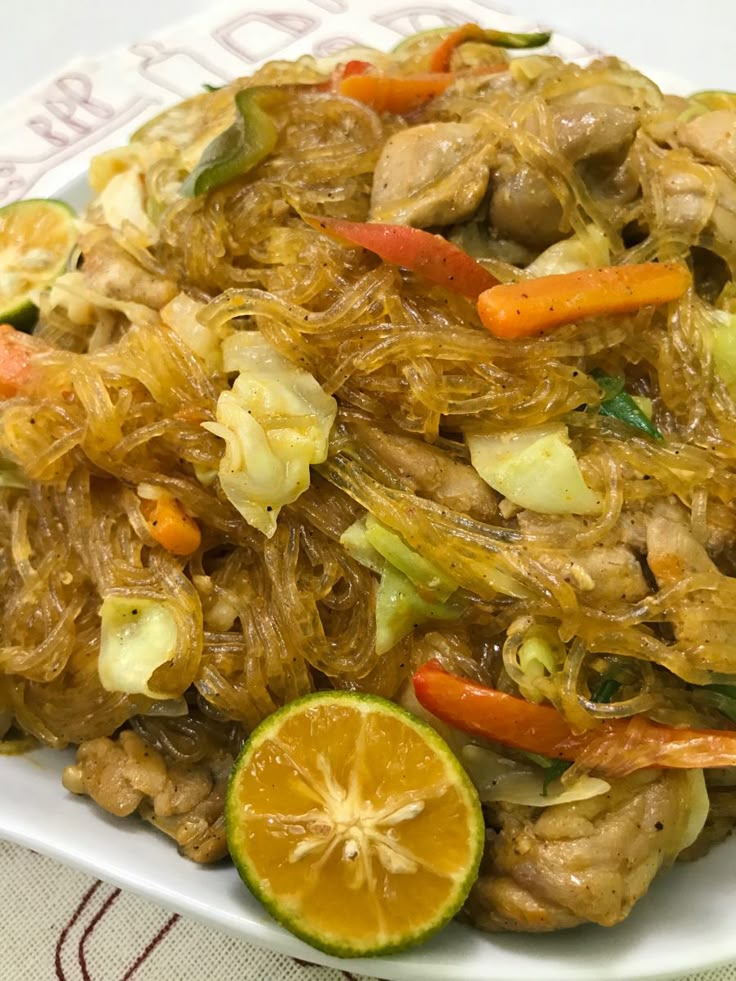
column 388, row 93
column 533, row 305
column 440, row 61
column 16, row 354
column 431, row 256
column 170, row 525
column 616, row 747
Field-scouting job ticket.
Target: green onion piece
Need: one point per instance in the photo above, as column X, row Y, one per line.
column 605, row 690
column 553, row 772
column 239, row 148
column 618, row 404
column 553, row 769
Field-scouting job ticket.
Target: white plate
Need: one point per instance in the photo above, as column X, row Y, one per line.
column 686, row 922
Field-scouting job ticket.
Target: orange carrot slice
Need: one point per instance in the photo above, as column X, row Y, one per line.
column 397, row 94
column 534, row 305
column 171, row 526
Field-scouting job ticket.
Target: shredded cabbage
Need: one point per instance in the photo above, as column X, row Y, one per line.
column 275, row 421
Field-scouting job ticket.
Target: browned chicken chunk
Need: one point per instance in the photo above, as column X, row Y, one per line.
column 186, row 801
column 674, row 554
column 589, row 861
column 712, row 137
column 524, row 207
column 109, row 269
column 433, row 473
column 434, row 174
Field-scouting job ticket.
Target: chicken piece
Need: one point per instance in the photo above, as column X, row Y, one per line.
column 712, row 137
column 433, row 174
column 432, row 473
column 592, row 130
column 588, row 861
column 523, row 206
column 116, row 775
column 721, row 820
column 109, row 269
column 191, row 808
column 722, row 224
column 605, row 573
column 673, row 554
column 186, row 801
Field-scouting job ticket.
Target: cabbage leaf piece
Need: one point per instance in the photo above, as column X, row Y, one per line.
column 275, row 422
column 534, row 468
column 138, row 635
column 412, row 590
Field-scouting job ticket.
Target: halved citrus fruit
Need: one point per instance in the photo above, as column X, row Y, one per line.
column 36, row 238
column 353, row 823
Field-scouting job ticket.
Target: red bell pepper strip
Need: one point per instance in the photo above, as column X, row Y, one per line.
column 340, row 72
column 533, row 305
column 395, row 93
column 440, row 61
column 16, row 353
column 431, row 256
column 615, row 747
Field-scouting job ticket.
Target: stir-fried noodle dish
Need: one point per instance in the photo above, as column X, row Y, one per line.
column 410, row 374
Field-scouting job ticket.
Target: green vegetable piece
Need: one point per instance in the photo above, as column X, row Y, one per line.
column 553, row 772
column 11, row 475
column 618, row 404
column 509, row 39
column 428, row 578
column 240, row 148
column 211, row 88
column 553, row 769
column 725, row 699
column 541, row 652
column 354, row 540
column 400, row 608
column 605, row 690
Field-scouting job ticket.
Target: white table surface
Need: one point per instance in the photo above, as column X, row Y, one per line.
column 40, row 36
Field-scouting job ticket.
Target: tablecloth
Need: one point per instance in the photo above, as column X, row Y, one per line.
column 58, row 922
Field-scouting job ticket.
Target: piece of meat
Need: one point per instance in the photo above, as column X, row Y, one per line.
column 721, row 820
column 588, row 861
column 722, row 225
column 110, row 270
column 433, row 174
column 186, row 801
column 673, row 554
column 712, row 137
column 432, row 473
column 591, row 130
column 605, row 574
column 523, row 206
